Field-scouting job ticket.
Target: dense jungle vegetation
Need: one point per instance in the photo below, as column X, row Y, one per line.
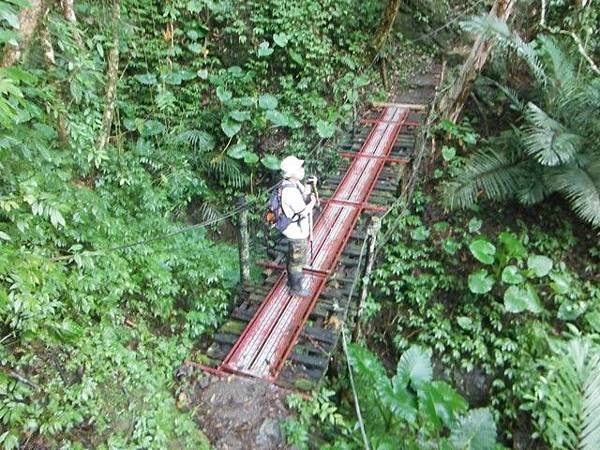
column 130, row 128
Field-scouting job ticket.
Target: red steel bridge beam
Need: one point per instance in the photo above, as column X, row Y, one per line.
column 271, row 334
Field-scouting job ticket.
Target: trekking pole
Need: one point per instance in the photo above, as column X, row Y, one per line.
column 313, row 183
column 310, row 236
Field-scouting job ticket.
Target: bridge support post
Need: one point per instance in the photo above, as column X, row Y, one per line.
column 244, row 243
column 372, row 232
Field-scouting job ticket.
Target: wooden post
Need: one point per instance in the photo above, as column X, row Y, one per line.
column 372, row 232
column 244, row 243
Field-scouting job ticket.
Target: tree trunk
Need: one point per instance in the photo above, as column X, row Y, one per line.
column 385, row 26
column 452, row 103
column 28, row 18
column 112, row 76
column 68, row 8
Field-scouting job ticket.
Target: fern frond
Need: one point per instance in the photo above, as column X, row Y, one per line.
column 226, row 169
column 580, row 184
column 572, row 398
column 199, row 140
column 547, row 140
column 493, row 174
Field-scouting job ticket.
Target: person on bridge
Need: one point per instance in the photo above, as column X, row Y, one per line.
column 297, row 203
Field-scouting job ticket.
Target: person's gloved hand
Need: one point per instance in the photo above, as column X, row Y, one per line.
column 312, row 180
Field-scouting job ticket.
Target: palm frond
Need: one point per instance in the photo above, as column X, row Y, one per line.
column 563, row 69
column 496, row 175
column 580, row 184
column 497, row 29
column 547, row 140
column 533, row 188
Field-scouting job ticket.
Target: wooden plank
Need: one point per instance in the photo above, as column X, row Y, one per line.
column 415, row 106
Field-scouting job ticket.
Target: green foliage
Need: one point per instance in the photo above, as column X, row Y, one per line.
column 556, row 148
column 411, row 410
column 483, row 296
column 318, row 413
column 567, row 395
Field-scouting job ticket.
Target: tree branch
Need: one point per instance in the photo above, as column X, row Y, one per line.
column 582, row 51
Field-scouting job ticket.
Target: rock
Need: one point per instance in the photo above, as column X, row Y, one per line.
column 269, row 435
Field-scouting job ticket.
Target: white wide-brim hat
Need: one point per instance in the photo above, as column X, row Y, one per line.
column 291, row 166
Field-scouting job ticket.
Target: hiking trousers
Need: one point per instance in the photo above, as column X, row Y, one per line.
column 296, row 259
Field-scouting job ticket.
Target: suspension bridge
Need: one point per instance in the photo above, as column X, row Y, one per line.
column 288, row 340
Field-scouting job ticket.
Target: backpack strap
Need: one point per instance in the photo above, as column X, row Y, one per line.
column 289, row 184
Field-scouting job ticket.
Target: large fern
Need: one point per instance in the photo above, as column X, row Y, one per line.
column 557, row 149
column 488, row 173
column 549, row 142
column 568, row 408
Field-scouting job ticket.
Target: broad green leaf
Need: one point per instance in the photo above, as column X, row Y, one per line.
column 512, row 275
column 235, row 71
column 475, row 225
column 483, row 250
column 237, row 151
column 540, row 265
column 196, row 48
column 4, row 236
column 399, row 400
column 521, row 298
column 368, row 369
column 223, row 94
column 7, row 36
column 173, row 78
column 480, row 282
column 415, row 367
column 271, row 162
column 7, row 13
column 230, row 127
column 593, row 319
column 420, row 233
column 250, row 157
column 450, row 246
column 571, row 310
column 202, row 74
column 149, row 128
column 325, row 129
column 267, row 101
column 561, row 283
column 240, row 116
column 264, row 50
column 476, row 431
column 512, row 245
column 448, row 153
column 440, row 404
column 281, row 39
column 441, row 226
column 146, row 78
column 277, row 118
column 464, row 322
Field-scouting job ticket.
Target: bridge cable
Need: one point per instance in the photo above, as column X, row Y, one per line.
column 345, row 348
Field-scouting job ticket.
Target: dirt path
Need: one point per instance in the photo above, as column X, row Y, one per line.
column 235, row 413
